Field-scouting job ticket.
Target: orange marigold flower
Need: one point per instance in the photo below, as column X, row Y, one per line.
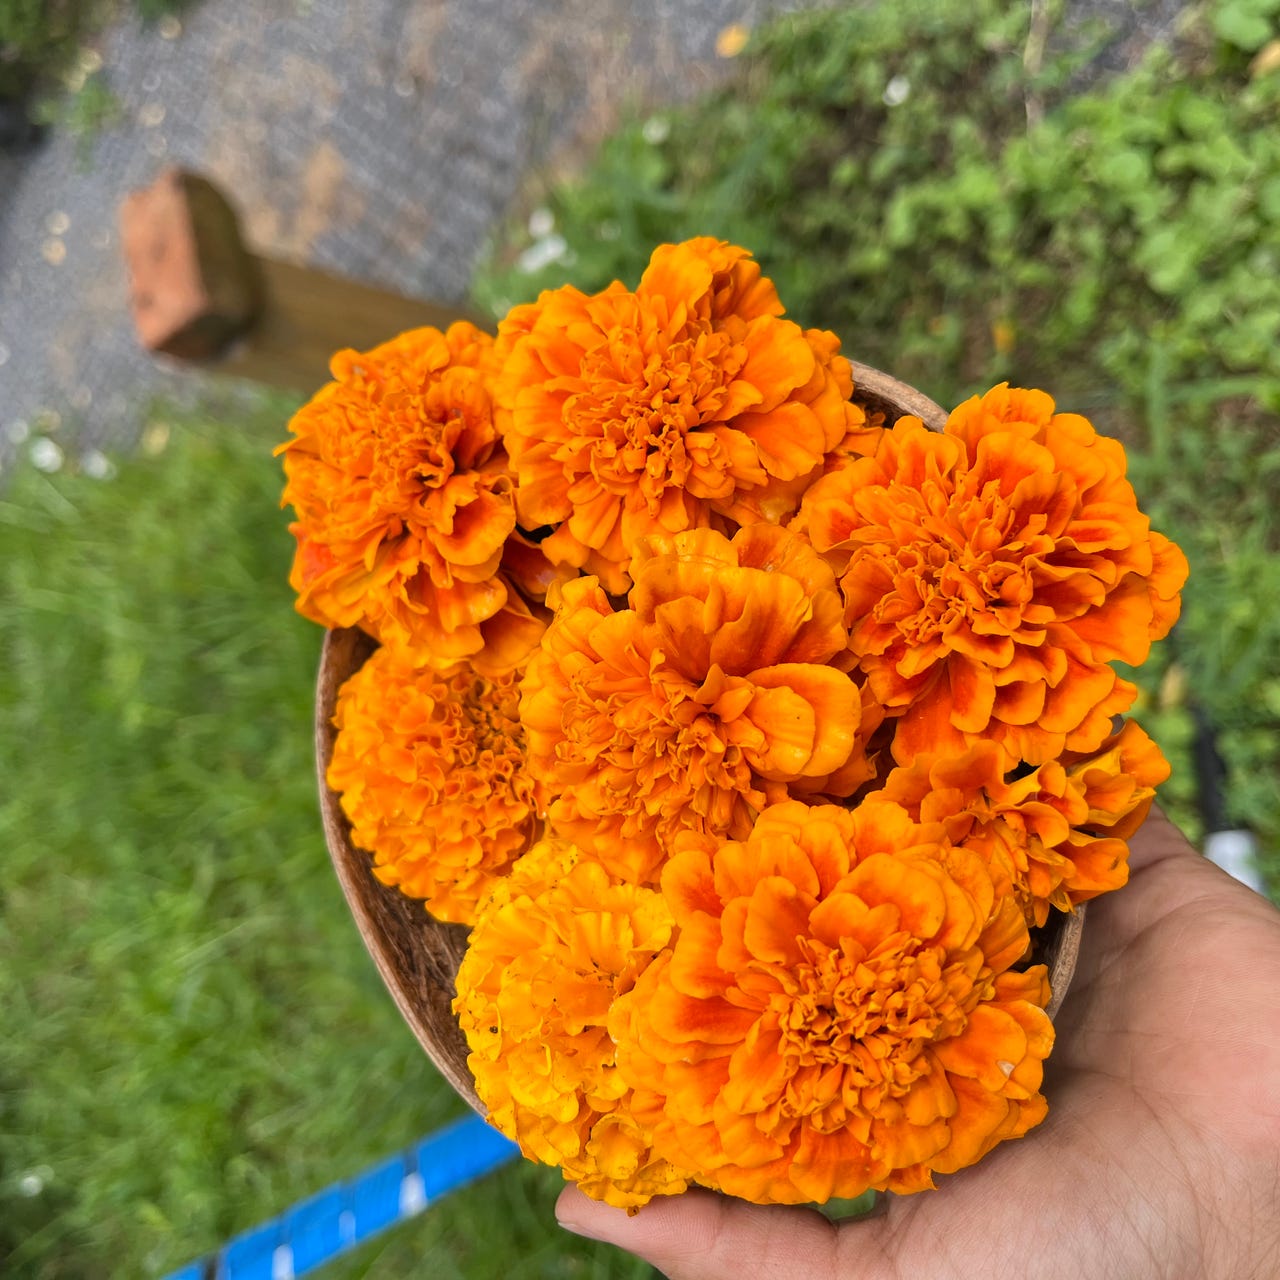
column 431, row 770
column 404, row 500
column 1054, row 836
column 628, row 413
column 835, row 1012
column 555, row 944
column 705, row 699
column 990, row 575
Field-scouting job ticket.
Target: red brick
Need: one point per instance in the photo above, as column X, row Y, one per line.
column 193, row 285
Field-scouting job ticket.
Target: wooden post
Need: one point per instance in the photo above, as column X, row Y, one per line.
column 198, row 293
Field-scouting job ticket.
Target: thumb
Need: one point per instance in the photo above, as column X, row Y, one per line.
column 704, row 1236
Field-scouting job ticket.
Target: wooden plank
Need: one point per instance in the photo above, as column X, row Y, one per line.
column 308, row 315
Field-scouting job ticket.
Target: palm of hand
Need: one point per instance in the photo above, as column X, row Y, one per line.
column 1164, row 1093
column 1161, row 1152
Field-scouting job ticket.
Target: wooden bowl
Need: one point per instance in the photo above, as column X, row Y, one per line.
column 417, row 955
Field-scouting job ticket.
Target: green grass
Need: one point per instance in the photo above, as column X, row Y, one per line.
column 194, row 1037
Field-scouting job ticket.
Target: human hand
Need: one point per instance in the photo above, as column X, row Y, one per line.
column 1160, row 1155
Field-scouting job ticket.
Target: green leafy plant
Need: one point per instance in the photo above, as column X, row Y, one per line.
column 35, row 35
column 1246, row 24
column 39, row 39
column 84, row 112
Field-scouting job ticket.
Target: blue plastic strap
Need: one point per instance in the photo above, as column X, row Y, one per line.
column 459, row 1154
column 318, row 1229
column 375, row 1198
column 250, row 1256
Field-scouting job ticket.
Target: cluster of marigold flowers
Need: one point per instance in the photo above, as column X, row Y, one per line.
column 751, row 735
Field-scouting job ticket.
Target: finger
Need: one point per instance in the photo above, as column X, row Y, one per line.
column 1156, row 840
column 704, row 1236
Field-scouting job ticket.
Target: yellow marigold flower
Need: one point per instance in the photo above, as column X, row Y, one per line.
column 1054, row 836
column 654, row 411
column 992, row 573
column 708, row 697
column 431, row 770
column 835, row 1012
column 556, row 943
column 404, row 501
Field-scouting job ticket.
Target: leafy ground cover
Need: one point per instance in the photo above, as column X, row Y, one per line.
column 194, row 1038
column 40, row 40
column 924, row 180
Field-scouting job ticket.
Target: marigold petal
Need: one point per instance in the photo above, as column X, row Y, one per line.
column 909, row 1143
column 1005, row 939
column 926, row 726
column 973, row 695
column 810, row 717
column 832, row 1166
column 685, row 1020
column 694, row 969
column 757, row 1072
column 979, row 1115
column 1120, row 628
column 1020, row 703
column 688, row 885
column 1169, row 571
column 777, row 916
column 990, row 1037
column 918, row 896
